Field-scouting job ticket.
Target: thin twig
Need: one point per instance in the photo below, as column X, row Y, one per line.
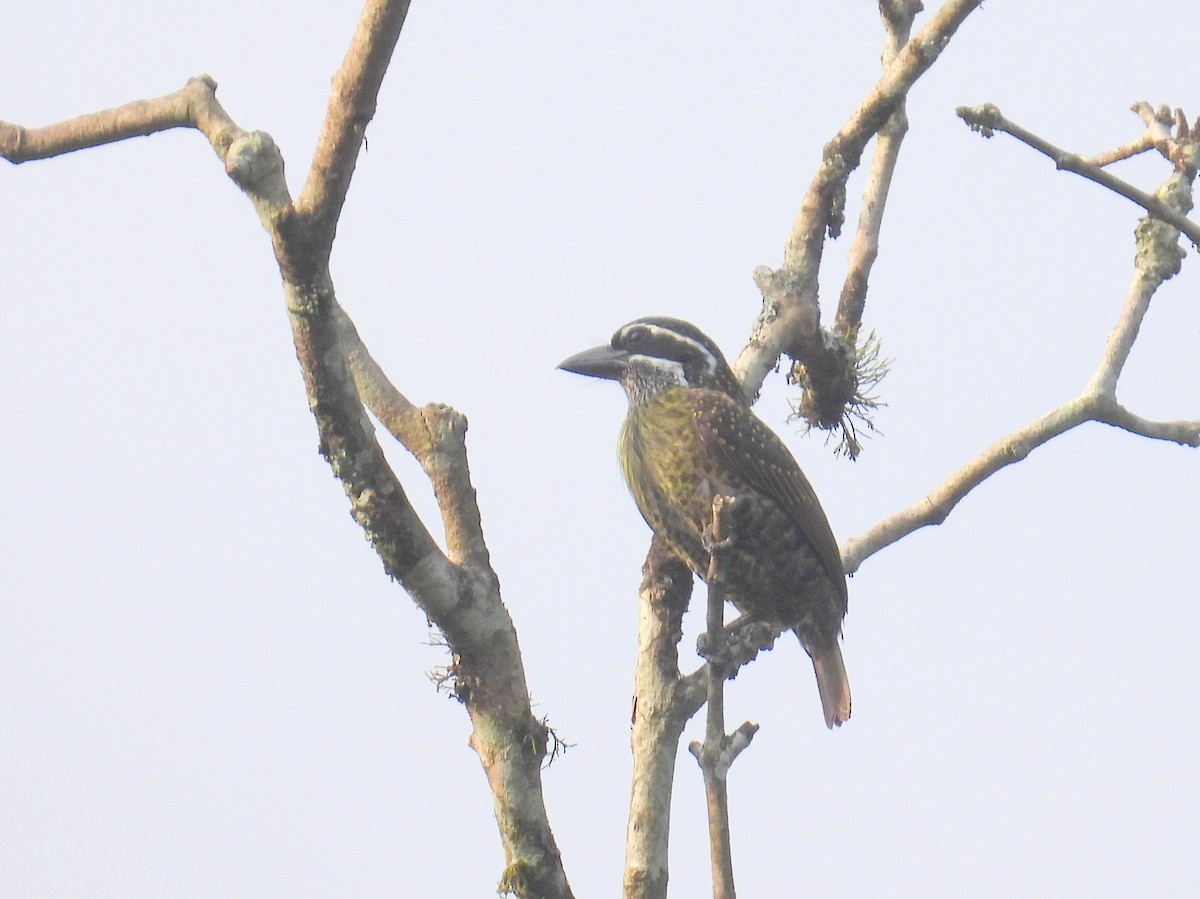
column 897, row 18
column 1125, row 151
column 1158, row 258
column 708, row 754
column 987, row 119
column 934, row 508
column 718, row 751
column 937, row 505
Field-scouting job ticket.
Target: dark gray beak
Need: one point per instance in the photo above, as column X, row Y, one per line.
column 598, row 362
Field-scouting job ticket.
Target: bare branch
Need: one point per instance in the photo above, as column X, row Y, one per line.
column 789, row 321
column 714, row 755
column 897, row 18
column 658, row 720
column 663, row 703
column 460, row 592
column 351, row 107
column 987, row 119
column 1125, row 151
column 1185, row 433
column 935, row 507
column 137, row 119
column 1158, row 121
column 1158, row 258
column 436, row 436
column 251, row 159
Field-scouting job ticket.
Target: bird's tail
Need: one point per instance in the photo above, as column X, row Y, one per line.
column 832, row 684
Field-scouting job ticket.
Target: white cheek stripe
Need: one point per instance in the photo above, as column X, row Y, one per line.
column 669, row 367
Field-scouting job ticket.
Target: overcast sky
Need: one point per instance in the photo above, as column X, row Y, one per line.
column 208, row 688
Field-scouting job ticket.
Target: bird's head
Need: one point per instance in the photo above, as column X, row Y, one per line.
column 655, row 353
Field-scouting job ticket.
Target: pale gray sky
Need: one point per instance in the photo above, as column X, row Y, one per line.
column 208, row 688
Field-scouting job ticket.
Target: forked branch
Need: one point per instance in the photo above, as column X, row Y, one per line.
column 790, row 318
column 987, row 120
column 1158, row 258
column 457, row 590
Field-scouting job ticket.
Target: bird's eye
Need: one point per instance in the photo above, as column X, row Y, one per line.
column 636, row 335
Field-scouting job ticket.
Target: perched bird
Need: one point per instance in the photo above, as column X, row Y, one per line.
column 689, row 435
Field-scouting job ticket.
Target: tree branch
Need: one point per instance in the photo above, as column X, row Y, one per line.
column 790, row 318
column 936, row 506
column 1125, row 151
column 718, row 751
column 351, row 107
column 138, row 119
column 663, row 703
column 1157, row 259
column 658, row 720
column 897, row 18
column 1183, row 432
column 436, row 436
column 987, row 119
column 744, row 637
column 459, row 593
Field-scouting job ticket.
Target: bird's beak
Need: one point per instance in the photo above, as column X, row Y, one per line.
column 598, row 362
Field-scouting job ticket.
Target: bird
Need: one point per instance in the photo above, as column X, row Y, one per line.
column 690, row 435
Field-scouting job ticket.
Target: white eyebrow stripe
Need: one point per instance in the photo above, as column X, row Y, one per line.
column 658, row 331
